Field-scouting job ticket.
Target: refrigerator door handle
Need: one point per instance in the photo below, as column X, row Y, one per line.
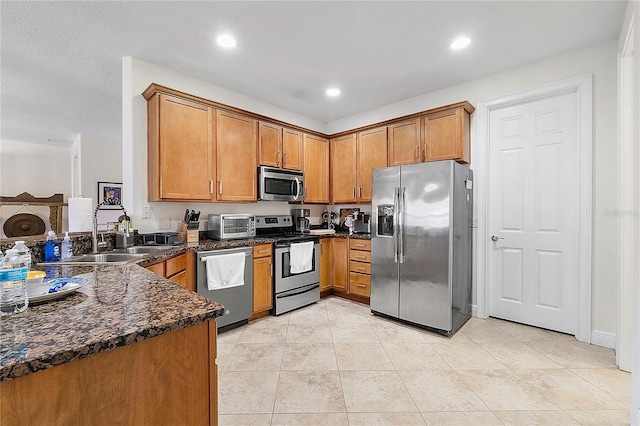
column 400, row 215
column 395, row 224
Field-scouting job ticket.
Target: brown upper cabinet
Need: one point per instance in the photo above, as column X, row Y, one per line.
column 181, row 158
column 279, row 146
column 343, row 169
column 404, row 142
column 353, row 157
column 372, row 154
column 446, row 136
column 316, row 168
column 236, row 141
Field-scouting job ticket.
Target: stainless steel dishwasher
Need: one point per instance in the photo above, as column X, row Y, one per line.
column 237, row 301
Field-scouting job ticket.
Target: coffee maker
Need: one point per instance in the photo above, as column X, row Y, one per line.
column 301, row 220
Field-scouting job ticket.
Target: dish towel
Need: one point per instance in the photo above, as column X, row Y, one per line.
column 300, row 255
column 225, row 270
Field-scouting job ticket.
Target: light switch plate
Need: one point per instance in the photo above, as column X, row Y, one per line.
column 146, row 212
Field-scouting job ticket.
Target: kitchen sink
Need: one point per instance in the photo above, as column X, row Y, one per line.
column 110, row 257
column 144, row 249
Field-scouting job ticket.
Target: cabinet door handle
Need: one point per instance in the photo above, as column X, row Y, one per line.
column 362, row 269
column 360, row 245
column 361, row 285
column 220, row 187
column 425, row 151
column 361, row 257
column 211, row 186
column 263, row 251
column 284, row 159
column 417, row 151
column 278, row 155
column 360, row 194
column 354, row 192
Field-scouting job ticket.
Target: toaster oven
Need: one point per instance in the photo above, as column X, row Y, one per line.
column 231, row 226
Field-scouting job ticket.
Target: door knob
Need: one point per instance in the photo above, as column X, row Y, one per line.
column 496, row 238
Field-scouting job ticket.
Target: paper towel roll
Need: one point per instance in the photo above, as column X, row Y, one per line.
column 80, row 214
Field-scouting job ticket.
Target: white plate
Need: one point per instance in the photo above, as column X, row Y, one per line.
column 67, row 289
column 322, row 231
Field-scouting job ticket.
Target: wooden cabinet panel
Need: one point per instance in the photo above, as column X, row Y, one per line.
column 343, row 169
column 175, row 264
column 262, row 250
column 179, row 269
column 292, row 149
column 404, row 142
column 359, row 267
column 372, row 154
column 360, row 284
column 325, row 264
column 316, row 168
column 360, row 256
column 262, row 284
column 157, row 268
column 358, row 244
column 446, row 136
column 236, row 147
column 181, row 161
column 270, row 144
column 339, row 266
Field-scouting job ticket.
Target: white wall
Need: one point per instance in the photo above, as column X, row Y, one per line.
column 137, row 75
column 39, row 169
column 598, row 59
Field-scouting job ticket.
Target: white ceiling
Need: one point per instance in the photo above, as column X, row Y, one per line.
column 61, row 61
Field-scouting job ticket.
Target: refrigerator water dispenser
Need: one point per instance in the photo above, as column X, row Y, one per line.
column 385, row 220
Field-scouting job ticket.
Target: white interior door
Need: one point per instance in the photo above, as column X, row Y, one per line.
column 533, row 213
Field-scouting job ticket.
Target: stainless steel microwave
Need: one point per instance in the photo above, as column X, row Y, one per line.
column 280, row 184
column 231, row 226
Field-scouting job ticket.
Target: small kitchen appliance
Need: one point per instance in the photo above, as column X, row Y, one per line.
column 231, row 226
column 301, row 220
column 280, row 184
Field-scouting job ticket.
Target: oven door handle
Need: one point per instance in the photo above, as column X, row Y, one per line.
column 298, row 292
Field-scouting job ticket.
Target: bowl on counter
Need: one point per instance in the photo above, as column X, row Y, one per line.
column 36, row 285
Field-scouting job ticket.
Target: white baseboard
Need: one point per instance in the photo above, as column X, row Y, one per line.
column 604, row 339
column 474, row 310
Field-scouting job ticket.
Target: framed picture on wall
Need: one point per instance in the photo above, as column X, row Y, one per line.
column 110, row 193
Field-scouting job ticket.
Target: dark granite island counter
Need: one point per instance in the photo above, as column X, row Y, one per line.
column 136, row 353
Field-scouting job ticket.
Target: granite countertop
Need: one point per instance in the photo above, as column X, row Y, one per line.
column 96, row 318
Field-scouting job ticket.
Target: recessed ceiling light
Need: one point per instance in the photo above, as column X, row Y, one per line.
column 225, row 40
column 333, row 92
column 460, row 43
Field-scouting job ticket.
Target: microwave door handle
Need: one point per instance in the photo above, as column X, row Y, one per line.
column 296, row 182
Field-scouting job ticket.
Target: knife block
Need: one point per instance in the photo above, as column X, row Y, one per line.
column 191, row 235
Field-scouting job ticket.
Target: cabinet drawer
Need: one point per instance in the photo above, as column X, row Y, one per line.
column 263, row 250
column 157, row 268
column 360, row 256
column 360, row 284
column 357, row 244
column 359, row 267
column 180, row 279
column 175, row 265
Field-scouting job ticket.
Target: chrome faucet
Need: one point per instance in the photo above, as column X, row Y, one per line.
column 94, row 234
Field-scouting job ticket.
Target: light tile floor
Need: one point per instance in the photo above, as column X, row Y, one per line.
column 334, row 363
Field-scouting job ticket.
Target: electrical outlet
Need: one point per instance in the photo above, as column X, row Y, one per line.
column 165, row 223
column 146, row 212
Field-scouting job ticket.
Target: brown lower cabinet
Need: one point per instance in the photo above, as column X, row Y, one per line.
column 325, row 264
column 178, row 269
column 170, row 379
column 339, row 264
column 262, row 278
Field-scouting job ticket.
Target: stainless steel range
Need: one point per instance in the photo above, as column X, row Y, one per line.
column 290, row 290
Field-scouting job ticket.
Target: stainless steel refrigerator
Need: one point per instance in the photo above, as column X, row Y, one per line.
column 421, row 244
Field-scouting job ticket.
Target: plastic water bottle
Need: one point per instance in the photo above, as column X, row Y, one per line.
column 67, row 247
column 23, row 251
column 13, row 284
column 51, row 248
